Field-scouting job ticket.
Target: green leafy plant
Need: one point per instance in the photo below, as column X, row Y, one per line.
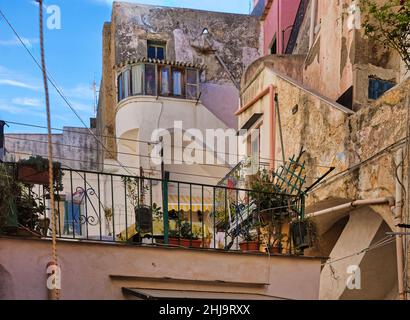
column 187, row 233
column 265, row 194
column 389, row 23
column 41, row 164
column 136, row 191
column 273, row 208
column 156, row 211
column 19, row 200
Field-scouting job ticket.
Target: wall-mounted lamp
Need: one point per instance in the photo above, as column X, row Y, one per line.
column 283, row 37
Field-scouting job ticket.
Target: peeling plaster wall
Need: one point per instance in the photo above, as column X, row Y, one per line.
column 236, row 39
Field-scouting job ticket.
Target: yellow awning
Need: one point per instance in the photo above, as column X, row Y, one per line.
column 186, row 203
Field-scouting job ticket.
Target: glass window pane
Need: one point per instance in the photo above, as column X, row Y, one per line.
column 137, row 79
column 160, row 53
column 165, row 72
column 150, row 80
column 151, row 52
column 177, row 82
column 119, row 84
column 126, row 83
column 191, row 92
column 192, row 76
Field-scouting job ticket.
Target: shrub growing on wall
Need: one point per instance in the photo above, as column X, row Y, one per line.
column 389, row 23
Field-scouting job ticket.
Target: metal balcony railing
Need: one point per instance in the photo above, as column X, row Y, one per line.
column 98, row 206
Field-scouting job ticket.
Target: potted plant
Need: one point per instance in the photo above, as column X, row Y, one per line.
column 136, row 192
column 34, row 170
column 250, row 243
column 274, row 210
column 304, row 233
column 186, row 237
column 276, row 247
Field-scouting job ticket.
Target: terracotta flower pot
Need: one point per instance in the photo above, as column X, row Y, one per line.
column 30, row 175
column 275, row 250
column 250, row 246
column 185, row 243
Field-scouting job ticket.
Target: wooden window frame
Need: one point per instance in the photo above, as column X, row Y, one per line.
column 156, row 80
column 156, row 45
column 190, row 84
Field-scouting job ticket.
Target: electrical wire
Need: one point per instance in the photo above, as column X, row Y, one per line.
column 144, row 141
column 78, row 132
column 118, row 152
column 361, row 163
column 114, row 165
column 59, row 91
column 381, row 243
column 94, row 149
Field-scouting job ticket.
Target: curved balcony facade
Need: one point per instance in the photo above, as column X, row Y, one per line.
column 153, row 77
column 145, row 105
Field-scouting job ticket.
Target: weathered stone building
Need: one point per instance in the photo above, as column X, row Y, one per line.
column 182, row 50
column 327, row 103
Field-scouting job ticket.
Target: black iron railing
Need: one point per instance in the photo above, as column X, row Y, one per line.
column 97, row 206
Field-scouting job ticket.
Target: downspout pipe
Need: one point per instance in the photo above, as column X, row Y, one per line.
column 272, row 128
column 354, row 204
column 398, row 219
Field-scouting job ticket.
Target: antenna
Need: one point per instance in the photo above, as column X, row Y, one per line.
column 94, row 86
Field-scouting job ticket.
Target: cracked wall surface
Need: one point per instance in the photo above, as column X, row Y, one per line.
column 234, row 38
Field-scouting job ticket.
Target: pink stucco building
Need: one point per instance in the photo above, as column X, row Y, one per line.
column 278, row 17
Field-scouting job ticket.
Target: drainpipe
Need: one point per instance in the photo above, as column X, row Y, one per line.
column 397, row 214
column 272, row 128
column 354, row 204
column 396, row 205
column 312, row 23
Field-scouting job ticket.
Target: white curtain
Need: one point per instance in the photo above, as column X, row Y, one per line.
column 137, row 79
column 177, row 80
column 126, row 80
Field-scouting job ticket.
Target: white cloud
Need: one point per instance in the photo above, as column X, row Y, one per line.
column 19, row 84
column 29, row 102
column 14, row 110
column 15, row 42
column 80, row 91
column 82, row 106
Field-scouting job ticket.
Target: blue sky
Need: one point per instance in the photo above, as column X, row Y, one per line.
column 73, row 56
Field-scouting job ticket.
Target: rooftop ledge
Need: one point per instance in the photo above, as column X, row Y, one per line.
column 162, row 247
